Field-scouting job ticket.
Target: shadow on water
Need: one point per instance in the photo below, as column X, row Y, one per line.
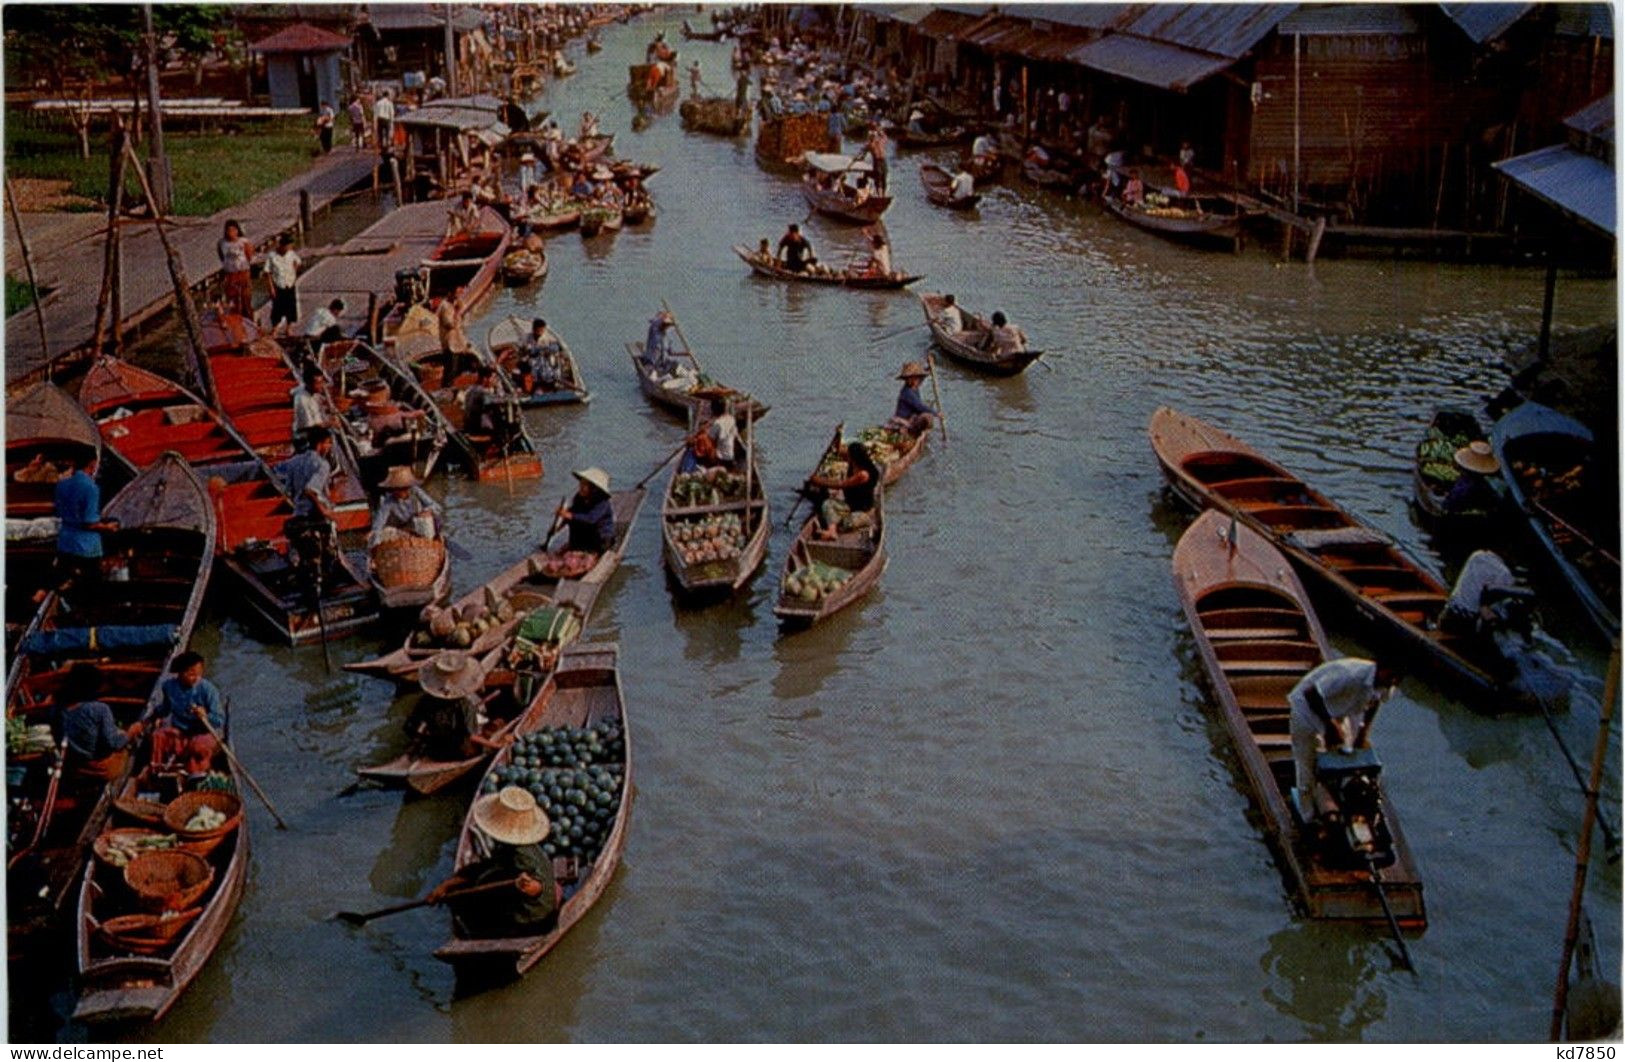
column 1327, row 980
column 405, row 866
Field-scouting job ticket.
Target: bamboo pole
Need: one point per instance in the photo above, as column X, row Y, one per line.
column 1582, row 854
column 108, row 305
column 28, row 264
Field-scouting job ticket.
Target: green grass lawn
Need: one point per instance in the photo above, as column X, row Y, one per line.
column 212, row 170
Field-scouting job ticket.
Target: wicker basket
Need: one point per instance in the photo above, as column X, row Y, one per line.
column 182, row 808
column 105, row 842
column 407, row 560
column 145, row 934
column 171, row 881
column 133, row 807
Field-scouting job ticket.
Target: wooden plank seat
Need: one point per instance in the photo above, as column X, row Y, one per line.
column 1348, row 535
column 1289, row 519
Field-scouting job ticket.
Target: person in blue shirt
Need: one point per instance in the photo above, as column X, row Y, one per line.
column 305, row 476
column 590, row 513
column 657, row 345
column 834, row 129
column 912, row 414
column 78, row 506
column 96, row 745
column 183, row 701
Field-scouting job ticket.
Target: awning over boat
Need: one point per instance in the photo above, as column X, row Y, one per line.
column 1575, row 183
column 830, row 163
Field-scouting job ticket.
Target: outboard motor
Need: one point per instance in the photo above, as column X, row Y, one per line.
column 411, row 286
column 1350, row 806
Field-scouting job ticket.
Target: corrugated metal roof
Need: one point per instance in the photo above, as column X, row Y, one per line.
column 1350, row 20
column 1595, row 119
column 1578, row 185
column 300, row 38
column 912, row 14
column 1485, row 22
column 1085, row 16
column 1585, row 20
column 1013, row 35
column 1220, row 29
column 944, row 23
column 1165, row 66
column 464, row 18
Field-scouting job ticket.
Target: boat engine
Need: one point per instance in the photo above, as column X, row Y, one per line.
column 412, row 285
column 1350, row 800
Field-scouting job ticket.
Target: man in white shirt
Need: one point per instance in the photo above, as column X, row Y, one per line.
column 308, row 410
column 281, row 276
column 949, row 316
column 1333, row 705
column 963, row 185
column 724, row 431
column 1467, row 610
column 383, row 111
column 323, row 325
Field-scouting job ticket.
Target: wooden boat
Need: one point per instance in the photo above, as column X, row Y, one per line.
column 126, row 979
column 47, row 433
column 1048, row 176
column 966, row 346
column 782, row 142
column 834, row 202
column 638, row 211
column 850, row 278
column 131, row 624
column 251, row 507
column 691, row 34
column 1434, row 473
column 909, row 138
column 253, row 384
column 938, row 182
column 714, row 114
column 859, row 554
column 1258, row 636
column 1192, row 219
column 524, row 267
column 529, row 575
column 1208, row 467
column 351, row 366
column 600, row 221
column 692, row 530
column 446, row 379
column 595, row 147
column 556, row 219
column 586, row 692
column 1568, row 491
column 502, row 343
column 637, row 84
column 594, row 45
column 894, row 451
column 470, row 261
column 696, row 401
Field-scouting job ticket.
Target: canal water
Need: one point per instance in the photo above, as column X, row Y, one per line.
column 993, row 800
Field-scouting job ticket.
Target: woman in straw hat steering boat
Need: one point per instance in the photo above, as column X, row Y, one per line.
column 447, row 716
column 404, row 508
column 590, row 514
column 510, row 827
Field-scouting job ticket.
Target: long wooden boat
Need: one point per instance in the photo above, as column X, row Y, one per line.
column 1258, row 636
column 691, row 34
column 1570, row 498
column 141, row 415
column 47, row 433
column 253, row 389
column 587, row 693
column 1208, row 467
column 939, row 189
column 471, row 261
column 967, row 346
column 714, row 547
column 529, row 575
column 860, row 557
column 351, row 367
column 557, row 218
column 1434, row 473
column 715, row 114
column 131, row 624
column 833, row 202
column 909, row 138
column 693, row 402
column 1210, row 219
column 124, row 982
column 637, row 84
column 446, row 378
column 768, row 266
column 502, row 344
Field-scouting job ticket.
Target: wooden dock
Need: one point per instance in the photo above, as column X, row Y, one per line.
column 73, row 273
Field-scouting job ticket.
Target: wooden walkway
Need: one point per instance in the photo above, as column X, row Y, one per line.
column 74, row 271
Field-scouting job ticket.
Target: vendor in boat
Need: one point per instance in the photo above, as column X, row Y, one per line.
column 305, row 477
column 590, row 516
column 386, row 418
column 795, row 253
column 1333, row 706
column 177, row 714
column 1004, row 337
column 1473, row 491
column 539, row 358
column 963, row 185
column 530, row 174
column 465, row 217
column 447, row 716
column 855, row 508
column 949, row 316
column 97, row 748
column 722, row 434
column 912, row 414
column 453, row 342
column 485, row 409
column 879, row 263
column 657, row 354
column 322, row 326
column 510, row 830
column 309, row 407
column 403, row 509
column 1484, row 580
column 77, row 504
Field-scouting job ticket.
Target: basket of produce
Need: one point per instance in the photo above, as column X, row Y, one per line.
column 202, row 819
column 813, row 582
column 718, row 537
column 569, row 564
column 168, row 881
column 138, row 808
column 116, row 847
column 146, row 934
column 27, row 741
column 407, row 560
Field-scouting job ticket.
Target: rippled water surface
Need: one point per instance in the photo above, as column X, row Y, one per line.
column 992, row 801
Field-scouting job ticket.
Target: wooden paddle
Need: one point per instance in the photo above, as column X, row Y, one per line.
column 1388, row 912
column 661, row 465
column 361, row 918
column 688, row 348
column 936, row 392
column 203, row 717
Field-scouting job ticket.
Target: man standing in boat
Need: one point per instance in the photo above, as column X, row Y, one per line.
column 78, row 505
column 1333, row 706
column 539, row 358
column 305, row 477
column 794, row 251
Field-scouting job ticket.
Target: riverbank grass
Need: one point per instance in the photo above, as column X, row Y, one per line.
column 19, row 295
column 212, row 171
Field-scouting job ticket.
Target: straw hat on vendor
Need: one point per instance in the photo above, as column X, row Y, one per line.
column 511, row 816
column 912, row 370
column 595, row 476
column 451, row 675
column 1477, row 457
